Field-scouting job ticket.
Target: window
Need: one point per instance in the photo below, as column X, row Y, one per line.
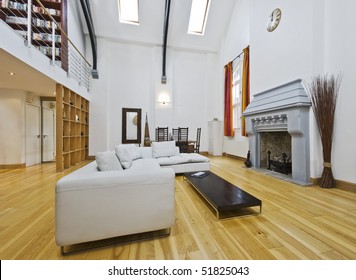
column 237, row 92
column 128, row 11
column 198, row 16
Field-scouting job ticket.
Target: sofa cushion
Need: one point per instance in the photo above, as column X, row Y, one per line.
column 181, row 159
column 144, row 164
column 164, row 161
column 164, row 149
column 146, row 152
column 127, row 153
column 107, row 161
column 195, row 158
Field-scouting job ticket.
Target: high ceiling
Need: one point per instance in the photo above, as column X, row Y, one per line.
column 151, row 17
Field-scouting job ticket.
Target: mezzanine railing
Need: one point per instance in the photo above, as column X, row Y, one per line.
column 39, row 26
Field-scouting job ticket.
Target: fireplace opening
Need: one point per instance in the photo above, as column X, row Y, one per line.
column 281, row 164
column 276, row 151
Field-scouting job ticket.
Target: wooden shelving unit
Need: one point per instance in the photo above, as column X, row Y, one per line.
column 72, row 128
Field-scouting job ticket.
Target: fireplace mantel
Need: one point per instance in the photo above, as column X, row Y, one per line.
column 283, row 97
column 283, row 108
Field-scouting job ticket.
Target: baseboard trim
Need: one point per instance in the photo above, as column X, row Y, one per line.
column 12, row 166
column 233, row 156
column 340, row 184
column 347, row 186
column 315, row 181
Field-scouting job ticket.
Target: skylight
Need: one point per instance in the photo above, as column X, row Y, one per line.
column 128, row 11
column 198, row 16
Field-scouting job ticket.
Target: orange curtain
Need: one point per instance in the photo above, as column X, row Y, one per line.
column 228, row 113
column 245, row 87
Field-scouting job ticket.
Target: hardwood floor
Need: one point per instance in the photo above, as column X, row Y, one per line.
column 296, row 222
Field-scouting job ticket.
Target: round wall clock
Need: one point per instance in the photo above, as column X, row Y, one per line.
column 274, row 19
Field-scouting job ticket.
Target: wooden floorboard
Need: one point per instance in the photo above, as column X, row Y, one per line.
column 297, row 222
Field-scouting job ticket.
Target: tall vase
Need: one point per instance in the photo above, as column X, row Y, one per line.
column 147, row 141
column 323, row 92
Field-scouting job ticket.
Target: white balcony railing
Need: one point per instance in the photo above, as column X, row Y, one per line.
column 40, row 28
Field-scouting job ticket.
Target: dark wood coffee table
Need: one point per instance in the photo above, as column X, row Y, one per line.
column 225, row 198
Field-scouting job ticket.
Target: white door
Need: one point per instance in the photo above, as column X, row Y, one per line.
column 48, row 137
column 33, row 135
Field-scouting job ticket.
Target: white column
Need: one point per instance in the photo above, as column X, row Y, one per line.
column 29, row 23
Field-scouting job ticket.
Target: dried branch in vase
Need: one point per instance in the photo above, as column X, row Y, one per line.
column 323, row 92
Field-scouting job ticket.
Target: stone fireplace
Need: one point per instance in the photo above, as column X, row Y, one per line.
column 278, row 120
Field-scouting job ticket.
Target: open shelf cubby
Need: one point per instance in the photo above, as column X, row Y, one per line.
column 72, row 125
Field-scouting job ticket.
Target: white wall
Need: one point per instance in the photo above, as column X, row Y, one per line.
column 12, row 126
column 340, row 56
column 75, row 28
column 237, row 38
column 98, row 106
column 130, row 84
column 190, row 92
column 314, row 37
column 285, row 54
column 130, row 76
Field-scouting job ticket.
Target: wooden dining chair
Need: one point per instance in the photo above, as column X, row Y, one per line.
column 175, row 134
column 183, row 133
column 161, row 134
column 197, row 142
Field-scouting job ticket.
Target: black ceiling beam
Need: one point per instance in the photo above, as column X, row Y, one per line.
column 165, row 35
column 89, row 21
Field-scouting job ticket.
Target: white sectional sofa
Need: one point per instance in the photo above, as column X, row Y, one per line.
column 126, row 191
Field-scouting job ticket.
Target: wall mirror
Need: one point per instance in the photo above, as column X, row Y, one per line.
column 131, row 125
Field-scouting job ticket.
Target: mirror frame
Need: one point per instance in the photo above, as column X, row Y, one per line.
column 124, row 139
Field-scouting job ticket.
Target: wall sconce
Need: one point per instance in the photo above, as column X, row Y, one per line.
column 163, row 95
column 164, row 98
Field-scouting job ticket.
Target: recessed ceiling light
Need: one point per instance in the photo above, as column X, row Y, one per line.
column 128, row 11
column 198, row 16
column 12, row 74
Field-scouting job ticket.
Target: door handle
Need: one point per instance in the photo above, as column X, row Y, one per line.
column 44, row 136
column 38, row 136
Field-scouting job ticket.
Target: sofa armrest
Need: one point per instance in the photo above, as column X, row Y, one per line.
column 99, row 205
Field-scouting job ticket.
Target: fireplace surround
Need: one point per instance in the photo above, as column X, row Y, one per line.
column 283, row 108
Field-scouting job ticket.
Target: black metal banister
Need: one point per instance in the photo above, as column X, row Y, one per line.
column 88, row 19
